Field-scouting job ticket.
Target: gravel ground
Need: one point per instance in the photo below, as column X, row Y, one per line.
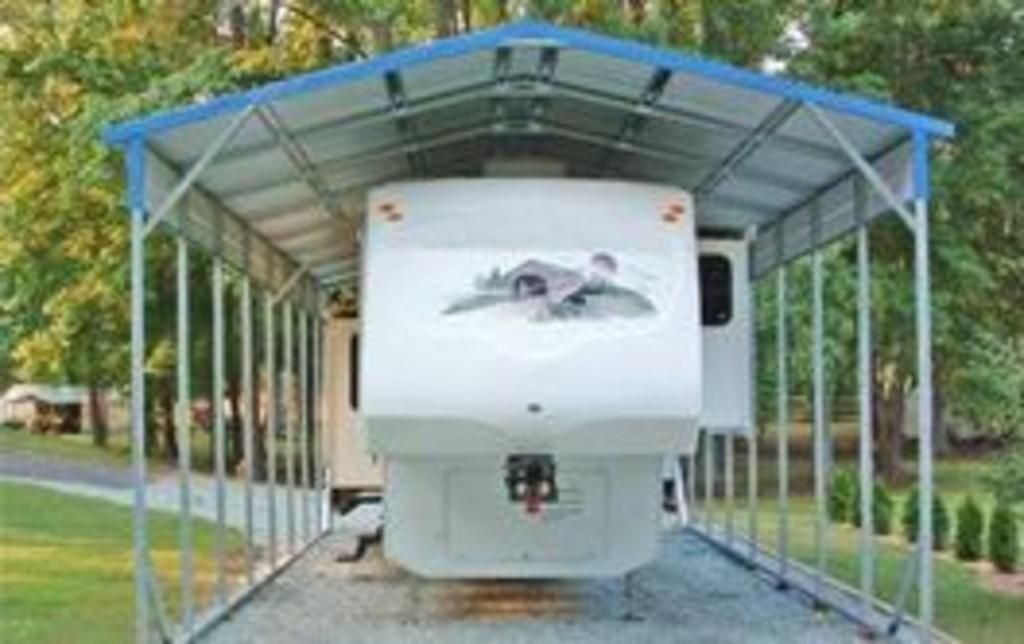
column 691, row 593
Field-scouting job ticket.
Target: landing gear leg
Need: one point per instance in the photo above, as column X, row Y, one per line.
column 628, row 594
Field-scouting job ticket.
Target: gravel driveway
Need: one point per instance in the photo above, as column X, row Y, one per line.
column 691, row 593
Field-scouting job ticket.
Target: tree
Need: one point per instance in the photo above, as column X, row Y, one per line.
column 964, row 61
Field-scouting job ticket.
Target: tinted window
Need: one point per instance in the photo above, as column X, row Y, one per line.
column 715, row 290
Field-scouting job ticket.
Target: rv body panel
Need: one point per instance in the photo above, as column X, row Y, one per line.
column 351, row 465
column 725, row 292
column 551, row 323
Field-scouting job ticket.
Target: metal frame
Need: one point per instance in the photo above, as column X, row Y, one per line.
column 288, row 286
column 859, row 604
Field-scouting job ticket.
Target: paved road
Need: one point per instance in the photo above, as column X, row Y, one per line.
column 24, row 465
column 114, row 483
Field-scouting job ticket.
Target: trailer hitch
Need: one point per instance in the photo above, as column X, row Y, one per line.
column 530, row 480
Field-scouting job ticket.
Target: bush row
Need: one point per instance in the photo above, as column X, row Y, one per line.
column 969, row 542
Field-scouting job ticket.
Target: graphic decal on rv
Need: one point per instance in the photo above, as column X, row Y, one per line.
column 544, row 290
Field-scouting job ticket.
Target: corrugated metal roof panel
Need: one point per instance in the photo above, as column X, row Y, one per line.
column 528, row 89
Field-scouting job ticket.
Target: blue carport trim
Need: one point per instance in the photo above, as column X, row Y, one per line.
column 632, row 51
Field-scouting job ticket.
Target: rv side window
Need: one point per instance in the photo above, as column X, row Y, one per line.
column 715, row 290
column 353, row 371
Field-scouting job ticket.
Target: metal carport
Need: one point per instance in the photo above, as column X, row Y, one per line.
column 270, row 182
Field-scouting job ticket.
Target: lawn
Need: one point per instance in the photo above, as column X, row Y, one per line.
column 70, row 446
column 965, row 607
column 66, row 566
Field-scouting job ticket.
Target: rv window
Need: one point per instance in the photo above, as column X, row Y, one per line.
column 715, row 290
column 353, row 371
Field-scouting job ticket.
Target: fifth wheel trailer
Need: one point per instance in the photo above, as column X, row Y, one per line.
column 530, row 351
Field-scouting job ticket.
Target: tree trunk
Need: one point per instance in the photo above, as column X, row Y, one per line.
column 149, row 421
column 636, row 10
column 97, row 419
column 941, row 439
column 236, row 23
column 445, row 18
column 169, row 429
column 889, row 424
column 272, row 20
column 888, row 405
column 236, row 449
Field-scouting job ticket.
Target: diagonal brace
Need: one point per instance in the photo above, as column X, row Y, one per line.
column 216, row 146
column 865, row 168
column 747, row 147
column 298, row 157
column 636, row 120
column 289, row 284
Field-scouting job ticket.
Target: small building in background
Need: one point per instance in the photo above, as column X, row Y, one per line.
column 56, row 408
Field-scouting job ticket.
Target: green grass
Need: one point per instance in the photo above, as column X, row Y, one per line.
column 964, row 606
column 71, row 446
column 66, row 566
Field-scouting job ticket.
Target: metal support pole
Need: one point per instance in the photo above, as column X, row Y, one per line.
column 318, row 447
column 184, row 423
column 865, row 456
column 287, row 386
column 730, row 484
column 782, row 424
column 691, row 489
column 682, row 508
column 818, row 395
column 709, row 480
column 922, row 286
column 304, row 416
column 271, row 433
column 136, row 162
column 249, row 422
column 219, row 456
column 752, row 439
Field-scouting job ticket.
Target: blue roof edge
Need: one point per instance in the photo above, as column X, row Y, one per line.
column 120, row 133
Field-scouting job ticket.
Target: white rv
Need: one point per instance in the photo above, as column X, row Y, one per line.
column 530, row 351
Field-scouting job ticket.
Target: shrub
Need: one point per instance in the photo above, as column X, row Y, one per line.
column 970, row 528
column 940, row 520
column 1003, row 548
column 841, row 496
column 881, row 509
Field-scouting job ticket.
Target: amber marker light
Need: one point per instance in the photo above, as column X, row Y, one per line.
column 390, row 211
column 673, row 213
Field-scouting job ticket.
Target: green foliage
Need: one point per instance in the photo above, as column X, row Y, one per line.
column 1007, row 478
column 940, row 519
column 1003, row 539
column 970, row 529
column 964, row 61
column 842, row 495
column 881, row 509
